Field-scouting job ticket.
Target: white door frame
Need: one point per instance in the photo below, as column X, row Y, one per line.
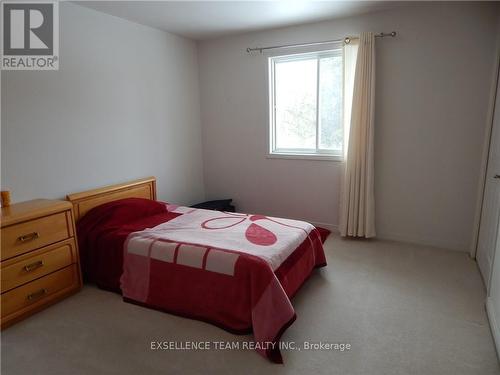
column 490, row 309
column 486, row 154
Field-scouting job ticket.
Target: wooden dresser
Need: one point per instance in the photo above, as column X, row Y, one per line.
column 39, row 257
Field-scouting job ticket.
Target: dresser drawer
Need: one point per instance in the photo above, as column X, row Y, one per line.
column 39, row 292
column 31, row 266
column 26, row 236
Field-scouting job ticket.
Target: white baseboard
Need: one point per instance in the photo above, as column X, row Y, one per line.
column 493, row 325
column 423, row 241
column 432, row 242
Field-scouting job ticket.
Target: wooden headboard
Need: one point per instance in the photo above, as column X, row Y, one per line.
column 86, row 200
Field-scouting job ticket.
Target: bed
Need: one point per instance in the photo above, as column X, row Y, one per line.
column 237, row 271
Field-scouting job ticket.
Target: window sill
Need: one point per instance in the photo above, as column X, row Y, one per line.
column 276, row 155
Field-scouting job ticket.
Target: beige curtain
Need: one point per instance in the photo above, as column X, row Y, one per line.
column 357, row 214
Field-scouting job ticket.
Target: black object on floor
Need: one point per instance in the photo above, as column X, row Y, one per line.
column 217, row 205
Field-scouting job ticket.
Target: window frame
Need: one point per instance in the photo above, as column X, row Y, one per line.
column 291, row 153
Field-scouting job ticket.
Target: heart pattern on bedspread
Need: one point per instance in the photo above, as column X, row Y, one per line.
column 255, row 233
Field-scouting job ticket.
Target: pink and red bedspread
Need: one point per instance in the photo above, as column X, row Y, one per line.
column 236, row 271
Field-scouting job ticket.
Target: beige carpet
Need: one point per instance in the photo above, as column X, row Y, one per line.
column 404, row 309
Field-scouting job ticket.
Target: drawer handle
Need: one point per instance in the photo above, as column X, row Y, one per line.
column 28, row 237
column 37, row 294
column 33, row 266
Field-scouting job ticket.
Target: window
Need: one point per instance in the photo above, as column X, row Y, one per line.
column 306, row 105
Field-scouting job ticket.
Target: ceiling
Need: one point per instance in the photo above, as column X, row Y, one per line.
column 209, row 19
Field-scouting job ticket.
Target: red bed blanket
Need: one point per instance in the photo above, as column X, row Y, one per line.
column 237, row 271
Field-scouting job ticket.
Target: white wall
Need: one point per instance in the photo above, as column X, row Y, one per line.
column 433, row 83
column 124, row 105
